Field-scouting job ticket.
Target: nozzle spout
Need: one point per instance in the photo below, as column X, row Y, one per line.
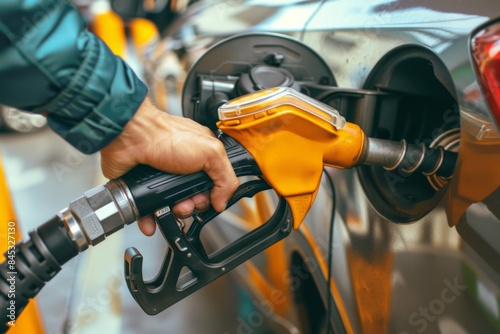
column 410, row 158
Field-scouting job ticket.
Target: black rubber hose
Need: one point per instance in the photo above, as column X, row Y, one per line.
column 29, row 265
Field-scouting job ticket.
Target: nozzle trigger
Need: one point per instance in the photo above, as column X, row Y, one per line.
column 187, row 267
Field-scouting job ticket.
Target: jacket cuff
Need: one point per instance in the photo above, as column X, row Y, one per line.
column 101, row 98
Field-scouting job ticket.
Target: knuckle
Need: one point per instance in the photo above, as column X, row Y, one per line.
column 217, row 147
column 234, row 185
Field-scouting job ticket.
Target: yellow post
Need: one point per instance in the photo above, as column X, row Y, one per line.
column 10, row 233
column 109, row 27
column 143, row 33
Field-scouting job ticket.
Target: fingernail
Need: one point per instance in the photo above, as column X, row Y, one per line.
column 224, row 207
column 184, row 215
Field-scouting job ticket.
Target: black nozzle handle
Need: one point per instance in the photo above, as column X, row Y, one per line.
column 29, row 265
column 186, row 251
column 152, row 189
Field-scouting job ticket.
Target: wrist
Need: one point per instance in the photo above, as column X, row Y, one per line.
column 141, row 123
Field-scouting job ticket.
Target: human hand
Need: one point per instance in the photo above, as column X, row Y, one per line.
column 175, row 145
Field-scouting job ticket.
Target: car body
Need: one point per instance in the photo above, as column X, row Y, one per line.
column 378, row 251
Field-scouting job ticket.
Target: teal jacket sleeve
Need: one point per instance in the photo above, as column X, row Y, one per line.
column 50, row 63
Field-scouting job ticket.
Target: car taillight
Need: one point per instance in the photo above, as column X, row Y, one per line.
column 485, row 47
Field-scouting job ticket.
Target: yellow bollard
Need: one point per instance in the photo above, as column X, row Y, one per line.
column 143, row 33
column 10, row 233
column 109, row 27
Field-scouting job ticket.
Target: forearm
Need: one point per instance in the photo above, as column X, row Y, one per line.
column 55, row 66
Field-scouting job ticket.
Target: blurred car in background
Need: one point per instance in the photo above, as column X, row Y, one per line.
column 380, row 251
column 12, row 119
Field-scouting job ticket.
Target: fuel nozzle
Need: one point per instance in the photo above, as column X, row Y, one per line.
column 292, row 136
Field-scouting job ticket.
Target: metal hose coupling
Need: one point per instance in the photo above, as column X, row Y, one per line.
column 100, row 212
column 409, row 158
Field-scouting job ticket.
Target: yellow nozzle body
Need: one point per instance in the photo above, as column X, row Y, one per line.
column 291, row 137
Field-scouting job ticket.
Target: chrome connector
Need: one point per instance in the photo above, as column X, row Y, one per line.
column 74, row 229
column 100, row 212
